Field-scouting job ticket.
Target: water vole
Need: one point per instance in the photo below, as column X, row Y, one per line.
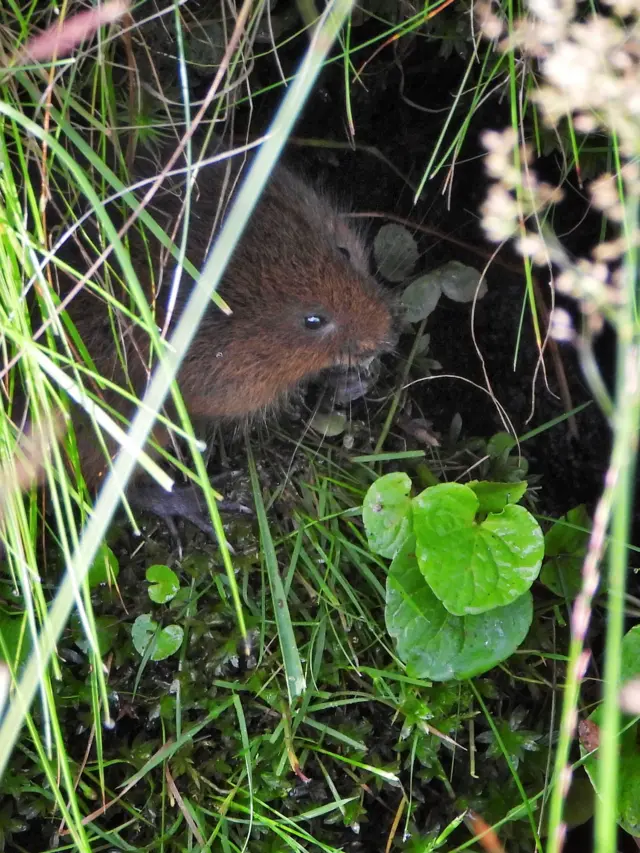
column 302, row 299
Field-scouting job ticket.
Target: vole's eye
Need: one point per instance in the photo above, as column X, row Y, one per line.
column 344, row 251
column 314, row 322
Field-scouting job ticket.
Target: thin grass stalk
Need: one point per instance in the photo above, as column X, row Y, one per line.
column 294, row 674
column 166, row 371
column 578, row 661
column 430, row 169
column 246, row 751
column 614, row 507
column 623, row 467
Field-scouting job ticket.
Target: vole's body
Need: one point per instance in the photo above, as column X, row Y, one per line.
column 297, row 260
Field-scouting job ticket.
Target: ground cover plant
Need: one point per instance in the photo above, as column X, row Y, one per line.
column 411, row 644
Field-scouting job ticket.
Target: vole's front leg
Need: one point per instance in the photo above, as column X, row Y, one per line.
column 181, row 502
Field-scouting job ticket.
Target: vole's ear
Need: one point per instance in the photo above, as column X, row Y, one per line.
column 349, row 241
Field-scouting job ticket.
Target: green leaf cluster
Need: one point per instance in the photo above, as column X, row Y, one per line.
column 463, row 560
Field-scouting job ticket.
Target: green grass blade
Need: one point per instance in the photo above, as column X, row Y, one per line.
column 296, row 682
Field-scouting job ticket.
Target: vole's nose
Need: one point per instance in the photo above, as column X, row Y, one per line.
column 387, row 342
column 364, row 352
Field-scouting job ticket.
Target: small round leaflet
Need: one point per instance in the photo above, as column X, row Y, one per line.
column 163, row 583
column 166, row 641
column 386, row 513
column 395, row 251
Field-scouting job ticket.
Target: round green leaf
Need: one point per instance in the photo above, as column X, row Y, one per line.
column 563, row 576
column 501, row 444
column 386, row 513
column 432, row 642
column 142, row 632
column 395, row 251
column 165, row 583
column 494, row 636
column 329, row 424
column 420, row 298
column 166, row 641
column 493, row 497
column 473, row 567
column 569, row 535
column 461, row 282
column 566, row 544
column 105, row 568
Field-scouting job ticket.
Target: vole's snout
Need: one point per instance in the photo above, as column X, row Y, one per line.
column 361, row 355
column 363, row 351
column 350, row 384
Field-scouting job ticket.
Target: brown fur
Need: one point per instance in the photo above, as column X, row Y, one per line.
column 296, row 257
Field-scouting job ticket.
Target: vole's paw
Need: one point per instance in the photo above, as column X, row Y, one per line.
column 235, row 508
column 182, row 502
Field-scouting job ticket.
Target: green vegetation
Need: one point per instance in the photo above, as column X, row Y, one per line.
column 464, row 559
